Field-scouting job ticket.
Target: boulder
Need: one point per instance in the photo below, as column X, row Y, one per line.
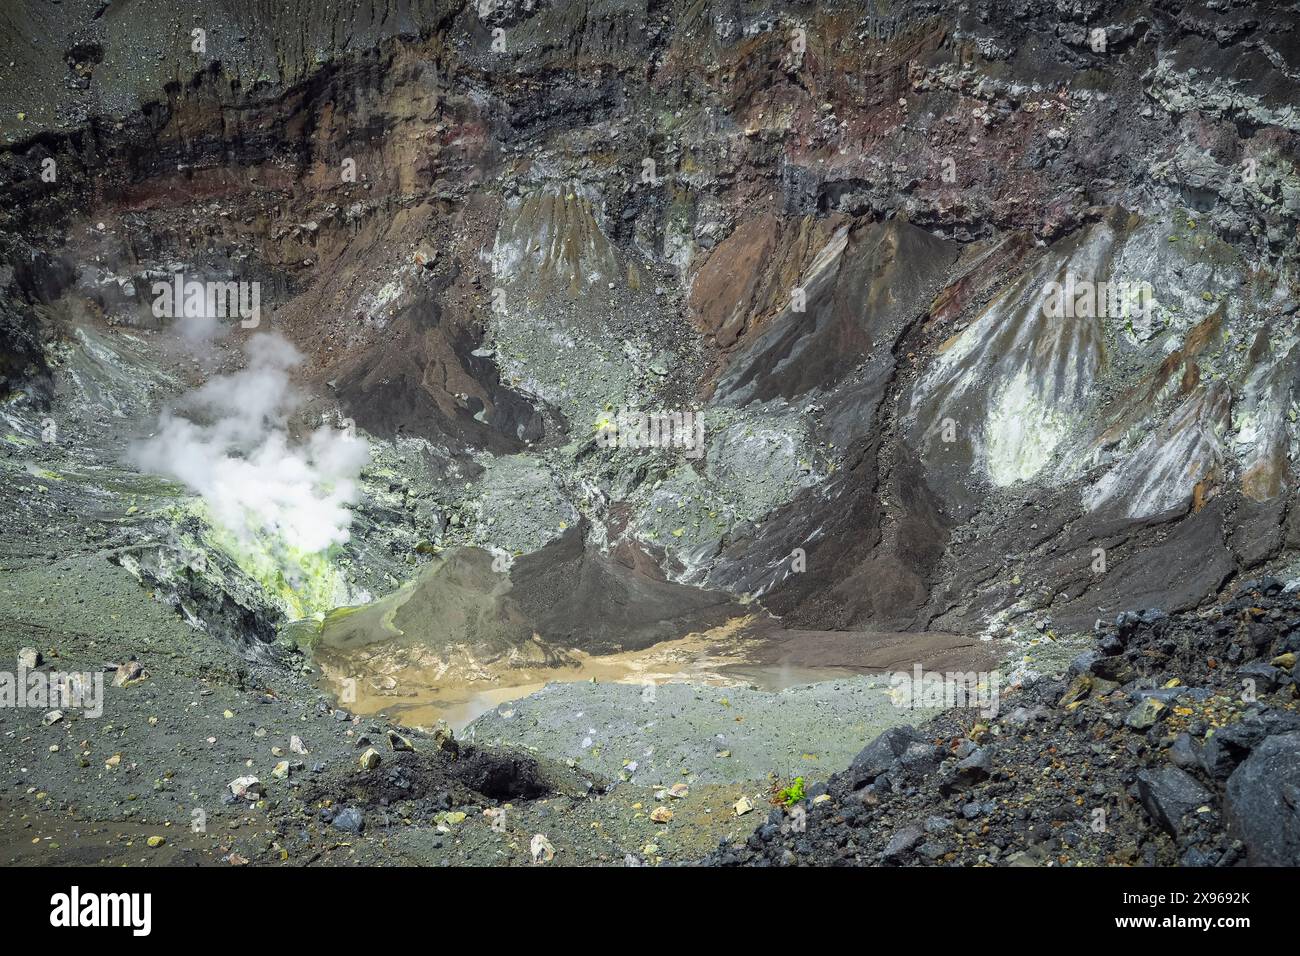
column 1024, row 716
column 127, row 673
column 978, row 765
column 1267, row 678
column 445, row 740
column 541, row 849
column 1184, row 753
column 1168, row 794
column 879, row 755
column 970, row 770
column 917, row 761
column 1228, row 746
column 1262, row 802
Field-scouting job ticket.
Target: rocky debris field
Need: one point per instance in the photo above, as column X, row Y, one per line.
column 1175, row 741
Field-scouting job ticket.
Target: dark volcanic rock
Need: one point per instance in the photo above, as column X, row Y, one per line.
column 1066, row 781
column 1168, row 794
column 842, row 258
column 1263, row 801
column 1228, row 746
column 970, row 770
column 880, row 755
column 902, row 842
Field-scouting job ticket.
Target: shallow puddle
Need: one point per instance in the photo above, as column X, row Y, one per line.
column 417, row 688
column 453, row 643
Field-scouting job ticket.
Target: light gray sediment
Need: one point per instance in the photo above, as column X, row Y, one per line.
column 685, row 730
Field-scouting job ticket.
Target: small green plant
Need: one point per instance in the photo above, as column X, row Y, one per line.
column 792, row 794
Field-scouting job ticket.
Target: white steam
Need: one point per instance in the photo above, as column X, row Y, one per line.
column 229, row 442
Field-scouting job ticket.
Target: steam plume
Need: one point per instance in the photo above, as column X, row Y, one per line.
column 229, row 442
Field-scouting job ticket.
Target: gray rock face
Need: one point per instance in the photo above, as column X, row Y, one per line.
column 1168, row 794
column 881, row 754
column 1263, row 802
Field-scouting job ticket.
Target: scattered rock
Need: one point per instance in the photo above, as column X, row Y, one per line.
column 445, row 740
column 127, row 673
column 541, row 849
column 1146, row 713
column 349, row 820
column 902, row 841
column 246, row 788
